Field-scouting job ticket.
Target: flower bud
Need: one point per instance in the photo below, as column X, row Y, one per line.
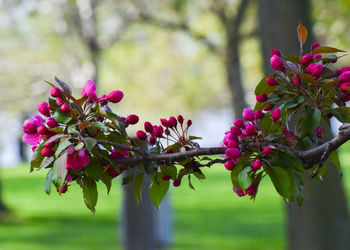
column 115, row 155
column 34, row 148
column 62, row 189
column 315, row 70
column 50, row 144
column 112, row 172
column 248, row 114
column 172, row 122
column 276, row 114
column 251, row 190
column 276, row 62
column 51, row 122
column 275, row 52
column 256, row 165
column 271, row 81
column 164, row 122
column 65, row 108
column 233, row 153
column 189, row 123
column 238, row 123
column 55, row 92
column 44, row 108
column 344, row 77
column 232, row 143
column 141, row 135
column 238, row 191
column 115, row 96
column 167, row 131
column 235, row 130
column 176, row 182
column 166, row 177
column 268, row 107
column 158, row 131
column 306, row 59
column 132, row 119
column 250, row 129
column 47, row 152
column 318, row 56
column 345, row 87
column 59, row 101
column 152, row 140
column 296, row 81
column 180, row 119
column 42, row 130
column 262, row 98
column 342, row 70
column 267, row 150
column 259, row 114
column 314, row 46
column 346, row 97
column 148, row 127
column 30, row 126
column 319, row 131
column 230, row 165
column 103, row 100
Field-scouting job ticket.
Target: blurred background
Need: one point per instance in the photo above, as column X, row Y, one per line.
column 198, row 58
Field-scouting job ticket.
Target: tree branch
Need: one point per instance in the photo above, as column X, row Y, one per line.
column 309, row 157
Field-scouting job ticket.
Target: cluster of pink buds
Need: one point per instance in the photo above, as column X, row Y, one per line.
column 344, row 83
column 116, row 155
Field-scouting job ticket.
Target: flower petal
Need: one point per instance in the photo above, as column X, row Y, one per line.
column 32, row 139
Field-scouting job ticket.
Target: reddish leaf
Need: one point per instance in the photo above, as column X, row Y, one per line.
column 83, row 125
column 302, row 33
column 309, row 78
column 325, row 49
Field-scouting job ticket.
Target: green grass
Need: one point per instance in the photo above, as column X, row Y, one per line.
column 212, row 217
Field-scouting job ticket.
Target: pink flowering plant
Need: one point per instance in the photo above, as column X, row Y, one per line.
column 81, row 140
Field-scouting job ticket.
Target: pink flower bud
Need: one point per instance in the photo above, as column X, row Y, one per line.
column 172, row 122
column 238, row 191
column 164, row 122
column 262, row 98
column 259, row 114
column 148, row 127
column 51, row 122
column 103, row 100
column 344, row 77
column 314, row 46
column 345, row 87
column 248, row 114
column 115, row 96
column 167, row 131
column 30, row 126
column 166, row 177
column 238, row 123
column 33, row 148
column 267, row 150
column 315, row 70
column 235, row 130
column 232, row 143
column 132, row 119
column 44, row 108
column 152, row 140
column 189, row 123
column 342, row 70
column 42, row 130
column 346, row 97
column 306, row 59
column 296, row 81
column 180, row 119
column 233, row 153
column 269, row 107
column 276, row 62
column 177, row 182
column 65, row 108
column 47, row 152
column 50, row 144
column 141, row 135
column 256, row 165
column 276, row 114
column 230, row 165
column 158, row 131
column 115, row 155
column 62, row 189
column 59, row 101
column 275, row 52
column 318, row 56
column 271, row 81
column 319, row 131
column 251, row 190
column 55, row 92
column 112, row 172
column 250, row 129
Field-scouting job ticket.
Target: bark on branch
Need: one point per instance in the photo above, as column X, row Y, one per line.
column 309, row 157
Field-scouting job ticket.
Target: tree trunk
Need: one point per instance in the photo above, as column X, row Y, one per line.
column 322, row 220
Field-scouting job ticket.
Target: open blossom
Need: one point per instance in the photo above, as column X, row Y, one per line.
column 77, row 159
column 30, row 128
column 89, row 90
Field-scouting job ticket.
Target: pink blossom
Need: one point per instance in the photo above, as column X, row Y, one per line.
column 318, row 56
column 256, row 165
column 30, row 127
column 115, row 96
column 296, row 81
column 141, row 135
column 276, row 62
column 148, row 127
column 77, row 159
column 259, row 114
column 233, row 153
column 315, row 70
column 44, row 108
column 47, row 152
column 262, row 98
column 238, row 123
column 267, row 150
column 344, row 77
column 276, row 114
column 306, row 59
column 55, row 92
column 248, row 114
column 238, row 191
column 275, row 52
column 251, row 190
column 271, row 81
column 314, row 46
column 65, row 108
column 132, row 119
column 235, row 130
column 230, row 165
column 89, row 90
column 51, row 122
column 180, row 119
column 345, row 87
column 158, row 131
column 103, row 100
column 189, row 123
column 250, row 129
column 172, row 122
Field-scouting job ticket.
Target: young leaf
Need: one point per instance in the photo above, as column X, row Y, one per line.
column 90, row 193
column 189, row 182
column 64, row 86
column 280, row 180
column 47, row 162
column 61, row 117
column 37, row 158
column 302, row 34
column 59, row 170
column 93, row 170
column 89, row 142
column 138, row 181
column 158, row 190
column 48, row 181
column 63, row 144
column 324, row 49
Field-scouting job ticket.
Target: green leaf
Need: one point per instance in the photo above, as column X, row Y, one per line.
column 311, row 120
column 107, row 180
column 280, row 180
column 90, row 193
column 94, row 170
column 194, row 138
column 150, row 167
column 80, row 145
column 48, row 181
column 333, row 157
column 190, row 183
column 61, row 117
column 37, row 158
column 263, row 87
column 158, row 190
column 138, row 181
column 127, row 179
column 71, row 129
column 53, row 104
column 325, row 49
column 59, row 170
column 121, row 124
column 89, row 143
column 168, row 170
column 244, row 178
column 101, row 126
column 63, row 144
column 47, row 162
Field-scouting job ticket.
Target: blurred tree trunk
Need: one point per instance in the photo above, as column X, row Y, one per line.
column 322, row 220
